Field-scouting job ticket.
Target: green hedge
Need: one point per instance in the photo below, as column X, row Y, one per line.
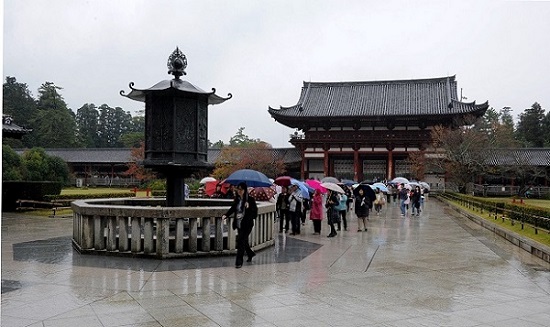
column 532, row 215
column 26, row 190
column 62, row 197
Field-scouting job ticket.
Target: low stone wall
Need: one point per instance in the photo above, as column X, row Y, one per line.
column 535, row 248
column 146, row 228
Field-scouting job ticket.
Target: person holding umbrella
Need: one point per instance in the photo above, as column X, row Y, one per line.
column 362, row 207
column 282, row 208
column 342, row 209
column 316, row 214
column 379, row 201
column 333, row 215
column 403, row 194
column 295, row 208
column 246, row 210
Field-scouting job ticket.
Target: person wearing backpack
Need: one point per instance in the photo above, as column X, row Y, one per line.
column 403, row 195
column 282, row 209
column 295, row 209
column 333, row 216
column 306, row 206
column 342, row 208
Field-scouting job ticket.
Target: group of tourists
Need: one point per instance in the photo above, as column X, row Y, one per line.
column 410, row 197
column 292, row 209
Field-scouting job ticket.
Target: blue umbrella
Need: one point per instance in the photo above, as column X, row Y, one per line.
column 381, row 186
column 347, row 182
column 304, row 191
column 252, row 178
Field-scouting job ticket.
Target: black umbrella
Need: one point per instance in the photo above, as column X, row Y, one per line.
column 367, row 190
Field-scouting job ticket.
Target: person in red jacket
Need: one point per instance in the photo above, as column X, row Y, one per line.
column 316, row 213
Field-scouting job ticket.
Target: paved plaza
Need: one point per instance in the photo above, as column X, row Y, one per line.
column 438, row 269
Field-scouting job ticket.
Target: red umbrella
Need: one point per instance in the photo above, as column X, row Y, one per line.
column 210, row 187
column 283, row 180
column 261, row 193
column 316, row 185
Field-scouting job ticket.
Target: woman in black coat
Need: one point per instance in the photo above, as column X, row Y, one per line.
column 362, row 206
column 333, row 215
column 415, row 200
column 246, row 210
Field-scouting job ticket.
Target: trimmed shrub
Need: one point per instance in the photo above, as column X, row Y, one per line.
column 26, row 190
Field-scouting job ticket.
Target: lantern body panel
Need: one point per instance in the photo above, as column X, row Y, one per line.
column 176, row 129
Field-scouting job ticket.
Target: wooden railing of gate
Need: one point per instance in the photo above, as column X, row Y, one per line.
column 143, row 227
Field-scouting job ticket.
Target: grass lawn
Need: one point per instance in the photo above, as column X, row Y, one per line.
column 528, row 231
column 94, row 190
column 532, row 202
column 79, row 191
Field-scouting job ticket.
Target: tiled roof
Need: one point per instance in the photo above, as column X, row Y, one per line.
column 287, row 154
column 418, row 97
column 9, row 127
column 90, row 155
column 118, row 155
column 519, row 157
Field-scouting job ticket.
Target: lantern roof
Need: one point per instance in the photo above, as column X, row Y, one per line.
column 177, row 62
column 176, row 85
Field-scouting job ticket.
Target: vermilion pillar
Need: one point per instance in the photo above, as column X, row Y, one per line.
column 325, row 164
column 390, row 165
column 302, row 165
column 356, row 166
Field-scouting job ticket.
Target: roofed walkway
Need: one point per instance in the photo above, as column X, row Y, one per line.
column 438, row 269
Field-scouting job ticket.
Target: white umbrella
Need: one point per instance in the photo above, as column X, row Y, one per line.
column 425, row 185
column 333, row 187
column 400, row 180
column 330, row 180
column 207, row 179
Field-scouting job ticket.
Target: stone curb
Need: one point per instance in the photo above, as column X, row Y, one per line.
column 535, row 248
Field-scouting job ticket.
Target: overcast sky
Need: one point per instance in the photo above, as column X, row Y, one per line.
column 263, row 51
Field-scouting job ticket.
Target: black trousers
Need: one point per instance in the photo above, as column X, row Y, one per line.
column 343, row 219
column 243, row 245
column 295, row 221
column 284, row 217
column 316, row 225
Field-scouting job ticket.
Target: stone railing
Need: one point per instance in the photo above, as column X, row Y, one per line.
column 145, row 228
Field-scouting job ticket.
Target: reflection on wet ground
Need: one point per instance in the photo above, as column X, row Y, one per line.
column 438, row 269
column 58, row 250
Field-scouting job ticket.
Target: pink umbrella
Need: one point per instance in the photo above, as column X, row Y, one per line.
column 316, row 185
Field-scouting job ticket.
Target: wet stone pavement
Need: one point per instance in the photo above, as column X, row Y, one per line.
column 438, row 269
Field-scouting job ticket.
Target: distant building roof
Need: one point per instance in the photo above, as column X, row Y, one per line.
column 124, row 155
column 10, row 129
column 90, row 155
column 377, row 100
column 519, row 157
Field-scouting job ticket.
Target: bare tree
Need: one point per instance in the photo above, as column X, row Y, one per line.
column 461, row 153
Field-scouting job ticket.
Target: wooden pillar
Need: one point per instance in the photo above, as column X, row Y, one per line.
column 390, row 172
column 356, row 165
column 325, row 163
column 302, row 164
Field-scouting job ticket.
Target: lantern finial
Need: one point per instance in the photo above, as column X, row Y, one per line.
column 177, row 62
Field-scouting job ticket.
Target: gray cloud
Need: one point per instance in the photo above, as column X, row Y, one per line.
column 262, row 51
